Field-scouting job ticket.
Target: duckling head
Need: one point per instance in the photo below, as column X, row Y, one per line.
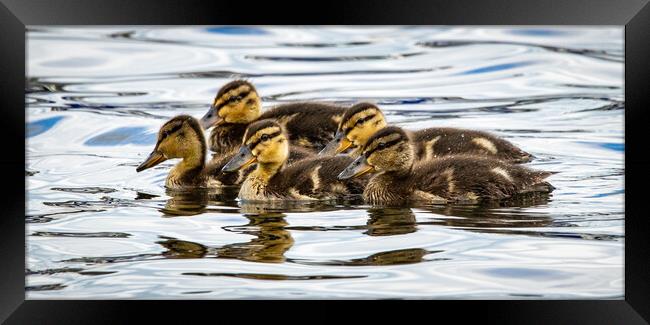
column 265, row 143
column 358, row 124
column 388, row 150
column 180, row 137
column 236, row 102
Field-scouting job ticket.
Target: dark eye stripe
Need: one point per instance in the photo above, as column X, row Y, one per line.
column 271, row 136
column 237, row 97
column 170, row 131
column 388, row 144
column 360, row 121
column 232, row 99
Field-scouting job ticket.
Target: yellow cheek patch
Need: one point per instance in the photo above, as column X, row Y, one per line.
column 363, row 134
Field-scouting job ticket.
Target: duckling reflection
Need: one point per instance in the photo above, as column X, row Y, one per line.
column 274, row 207
column 177, row 248
column 390, row 221
column 396, row 257
column 271, row 240
column 197, row 201
column 185, row 203
column 269, row 245
column 505, row 214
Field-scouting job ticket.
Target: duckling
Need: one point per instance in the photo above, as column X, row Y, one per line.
column 267, row 144
column 237, row 177
column 237, row 104
column 463, row 178
column 362, row 120
column 182, row 137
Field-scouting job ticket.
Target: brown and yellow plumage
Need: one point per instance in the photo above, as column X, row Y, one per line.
column 180, row 137
column 362, row 120
column 237, row 104
column 460, row 178
column 266, row 145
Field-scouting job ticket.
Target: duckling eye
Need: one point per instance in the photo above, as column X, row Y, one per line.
column 234, row 99
column 381, row 145
column 265, row 137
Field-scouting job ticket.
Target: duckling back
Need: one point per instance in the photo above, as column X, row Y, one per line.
column 309, row 125
column 314, row 178
column 440, row 142
column 470, row 178
column 224, row 139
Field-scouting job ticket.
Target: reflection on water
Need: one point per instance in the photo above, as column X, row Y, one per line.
column 270, row 243
column 390, row 221
column 98, row 230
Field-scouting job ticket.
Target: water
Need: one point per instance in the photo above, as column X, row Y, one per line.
column 98, row 230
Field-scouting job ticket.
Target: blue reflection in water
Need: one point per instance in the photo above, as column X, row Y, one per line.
column 526, row 273
column 614, row 146
column 607, row 145
column 121, row 136
column 236, row 30
column 76, row 105
column 498, row 67
column 622, row 191
column 40, row 126
column 538, row 32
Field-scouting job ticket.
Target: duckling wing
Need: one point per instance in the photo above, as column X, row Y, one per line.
column 315, row 178
column 226, row 138
column 310, row 125
column 473, row 178
column 439, row 142
column 213, row 171
column 299, row 153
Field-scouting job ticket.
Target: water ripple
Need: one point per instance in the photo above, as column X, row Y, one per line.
column 598, row 54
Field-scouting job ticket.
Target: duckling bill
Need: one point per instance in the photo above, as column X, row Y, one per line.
column 266, row 144
column 238, row 104
column 399, row 179
column 362, row 120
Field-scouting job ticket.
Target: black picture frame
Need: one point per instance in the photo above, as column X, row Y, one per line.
column 16, row 14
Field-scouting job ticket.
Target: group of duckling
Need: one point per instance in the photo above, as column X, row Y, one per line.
column 321, row 151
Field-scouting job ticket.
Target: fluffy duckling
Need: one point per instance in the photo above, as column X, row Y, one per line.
column 236, row 178
column 362, row 120
column 182, row 137
column 399, row 180
column 266, row 143
column 238, row 104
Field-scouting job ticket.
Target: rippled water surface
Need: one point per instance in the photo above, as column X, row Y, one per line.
column 98, row 230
